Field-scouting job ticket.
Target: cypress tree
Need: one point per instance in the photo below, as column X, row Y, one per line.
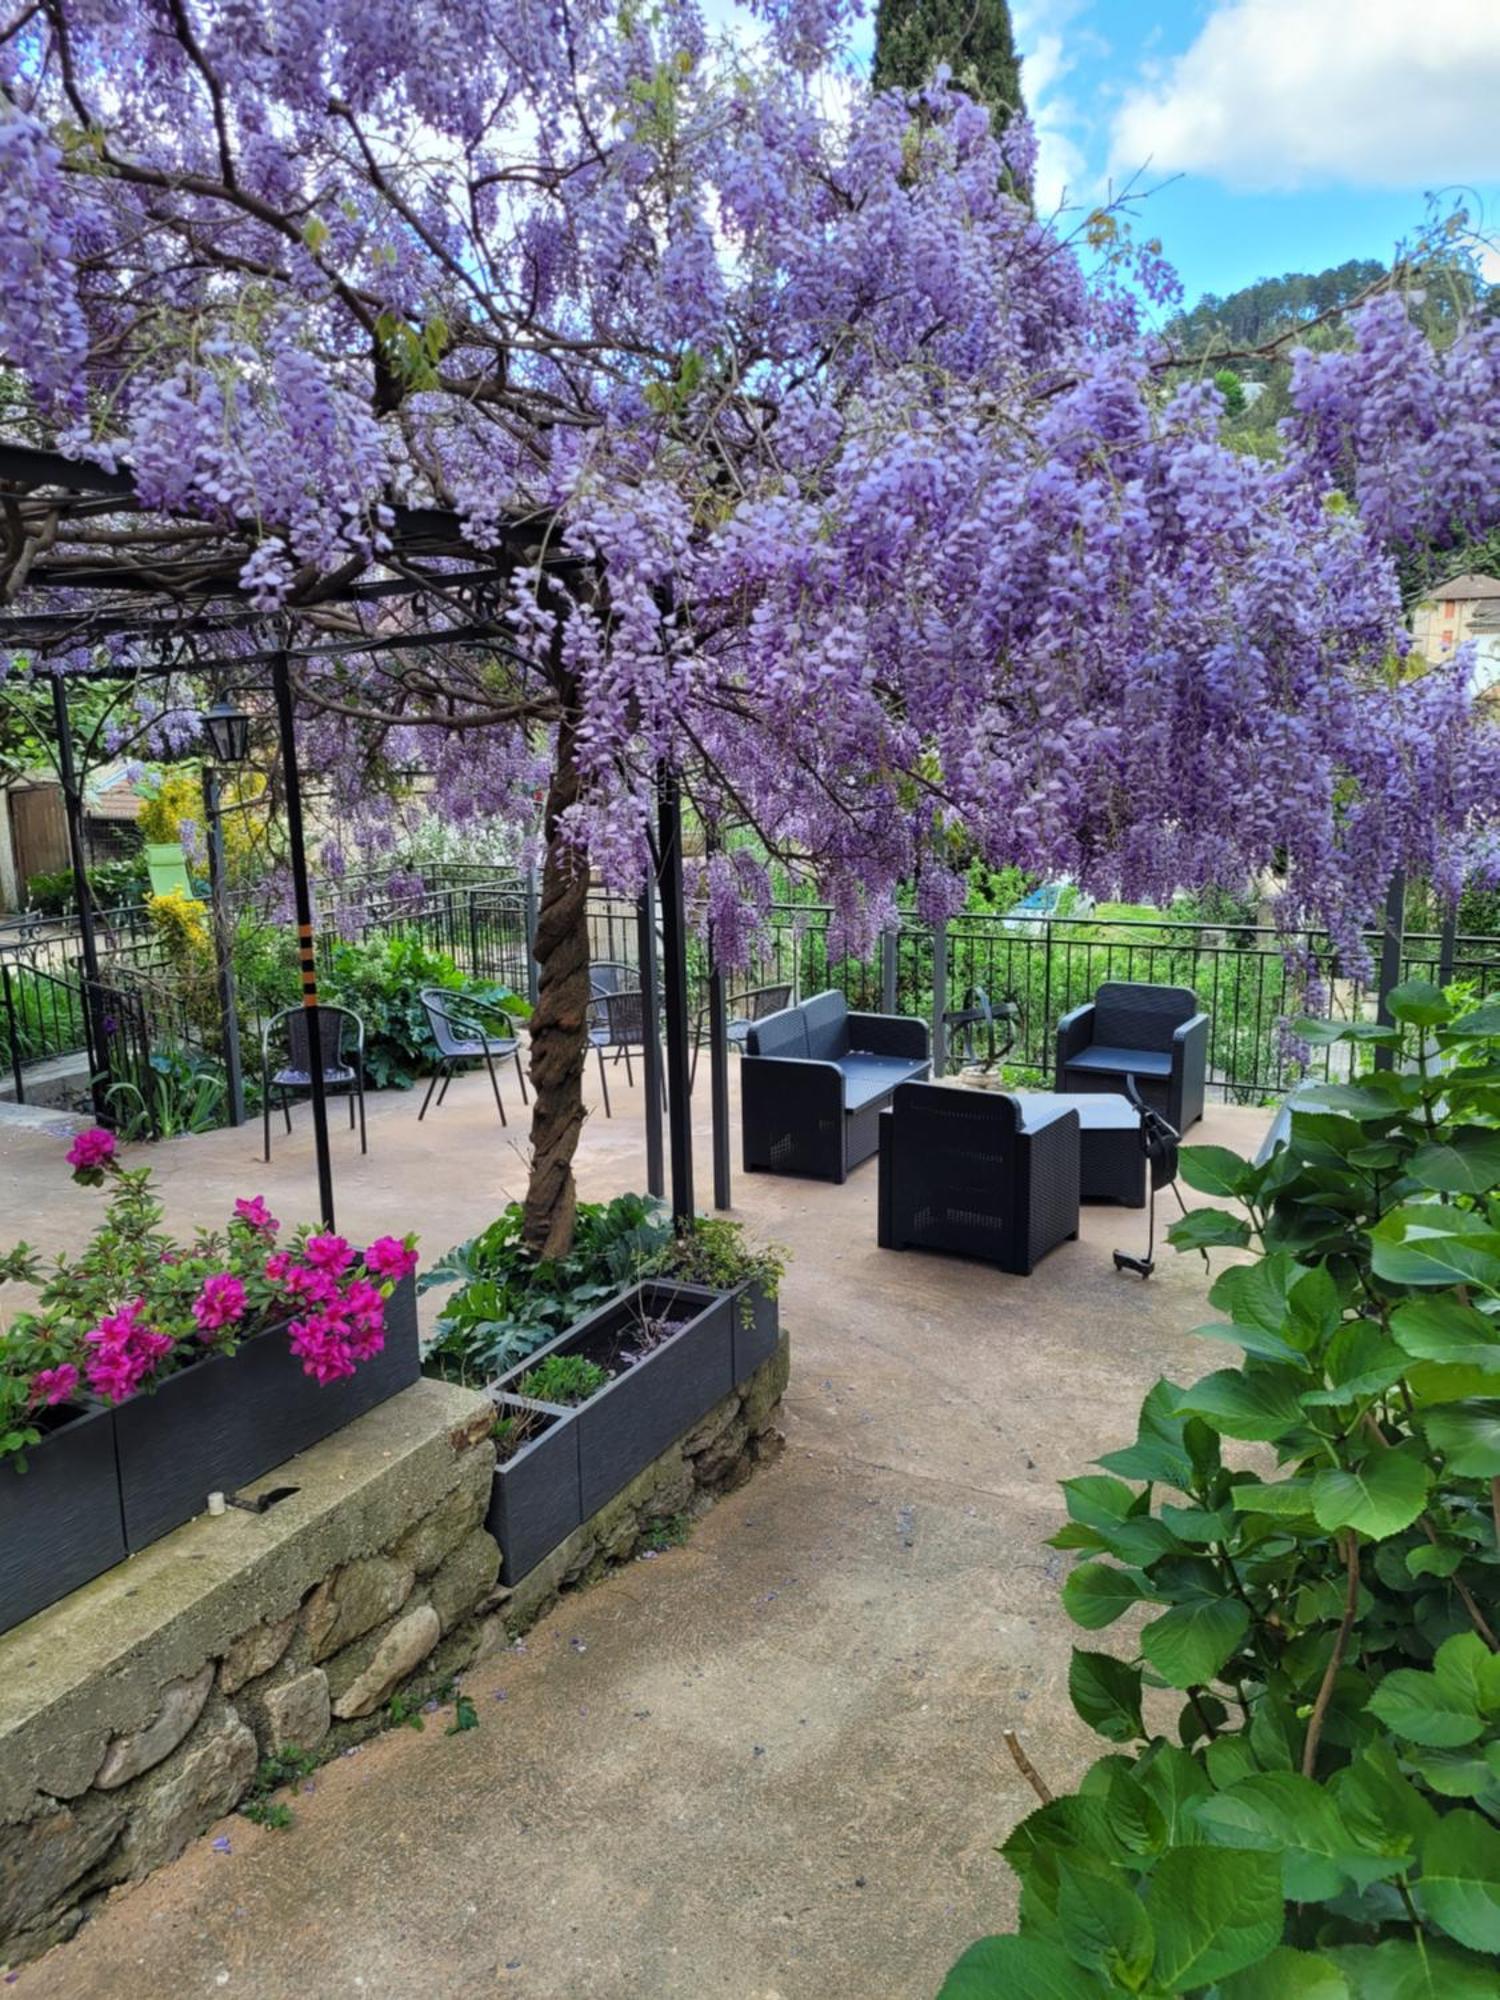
column 973, row 37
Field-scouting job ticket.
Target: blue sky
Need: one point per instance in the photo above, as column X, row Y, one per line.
column 1290, row 134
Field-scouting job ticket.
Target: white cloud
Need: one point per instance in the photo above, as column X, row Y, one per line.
column 1283, row 94
column 1063, row 173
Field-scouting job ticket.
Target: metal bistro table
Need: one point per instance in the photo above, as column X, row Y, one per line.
column 1112, row 1161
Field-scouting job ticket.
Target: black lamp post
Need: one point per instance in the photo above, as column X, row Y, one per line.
column 228, row 731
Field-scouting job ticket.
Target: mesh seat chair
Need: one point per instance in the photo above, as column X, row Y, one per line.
column 1154, row 1033
column 743, row 1010
column 460, row 1026
column 341, row 1043
column 617, row 1020
column 977, row 1174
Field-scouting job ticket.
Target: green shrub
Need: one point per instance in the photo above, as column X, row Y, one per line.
column 382, row 982
column 113, row 883
column 509, row 1303
column 1319, row 1818
column 564, row 1378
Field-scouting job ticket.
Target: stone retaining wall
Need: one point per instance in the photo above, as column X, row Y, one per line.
column 136, row 1712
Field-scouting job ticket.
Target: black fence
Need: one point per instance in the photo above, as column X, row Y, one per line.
column 485, row 922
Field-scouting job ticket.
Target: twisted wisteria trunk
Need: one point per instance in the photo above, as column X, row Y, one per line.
column 559, row 1025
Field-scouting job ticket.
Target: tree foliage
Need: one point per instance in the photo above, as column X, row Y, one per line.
column 973, row 37
column 1303, row 1788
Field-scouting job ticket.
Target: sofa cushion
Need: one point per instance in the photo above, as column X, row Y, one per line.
column 1102, row 1061
column 867, row 1079
column 827, row 1018
column 1133, row 1015
column 783, row 1034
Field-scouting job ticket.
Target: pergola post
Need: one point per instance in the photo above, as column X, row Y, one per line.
column 87, row 940
column 1392, row 944
column 674, row 981
column 718, row 1075
column 281, row 683
column 656, row 1181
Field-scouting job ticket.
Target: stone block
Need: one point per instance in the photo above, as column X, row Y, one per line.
column 353, row 1601
column 206, row 1779
column 712, row 1427
column 297, row 1712
column 255, row 1652
column 674, row 1486
column 767, row 1385
column 400, row 1652
column 711, row 1465
column 465, row 1578
column 140, row 1749
column 440, row 1533
column 41, row 1859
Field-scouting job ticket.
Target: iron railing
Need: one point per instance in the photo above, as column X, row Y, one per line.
column 41, row 1019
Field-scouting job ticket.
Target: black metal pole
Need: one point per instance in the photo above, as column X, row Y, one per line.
column 718, row 1075
column 1392, row 941
column 229, row 1017
column 281, row 682
column 1448, row 944
column 656, row 1179
column 88, row 942
column 674, row 973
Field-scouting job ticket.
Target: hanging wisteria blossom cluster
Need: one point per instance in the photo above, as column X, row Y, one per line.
column 890, row 530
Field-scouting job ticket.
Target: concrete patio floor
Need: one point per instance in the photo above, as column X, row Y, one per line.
column 766, row 1765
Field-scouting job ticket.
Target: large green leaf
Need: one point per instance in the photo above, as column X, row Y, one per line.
column 1107, row 1693
column 1468, row 1436
column 1190, row 1643
column 1014, row 1968
column 1466, row 1161
column 1380, row 1496
column 1283, row 1813
column 1442, row 1328
column 1209, row 1229
column 1289, row 1500
column 1418, row 1003
column 1287, row 1975
column 1104, row 1925
column 1172, row 1780
column 1260, row 1407
column 1432, row 1243
column 1424, row 1708
column 1159, row 1453
column 1213, row 1912
column 1215, row 1170
column 1096, row 1594
column 1382, row 1808
column 1460, row 1884
column 1399, row 1970
column 1464, row 1773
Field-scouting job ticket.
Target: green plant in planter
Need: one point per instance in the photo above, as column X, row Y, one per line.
column 564, row 1378
column 1320, row 1604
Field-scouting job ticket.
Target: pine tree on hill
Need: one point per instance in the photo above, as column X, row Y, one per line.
column 973, row 37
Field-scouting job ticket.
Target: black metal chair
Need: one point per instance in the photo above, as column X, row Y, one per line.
column 744, row 1010
column 1154, row 1033
column 343, row 1066
column 460, row 1025
column 617, row 1021
column 977, row 1174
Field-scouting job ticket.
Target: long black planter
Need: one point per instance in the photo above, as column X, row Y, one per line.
column 60, row 1521
column 232, row 1417
column 589, row 1453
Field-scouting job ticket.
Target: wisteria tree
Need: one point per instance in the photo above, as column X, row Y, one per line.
column 852, row 496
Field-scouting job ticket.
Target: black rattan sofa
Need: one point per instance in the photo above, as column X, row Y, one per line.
column 815, row 1080
column 977, row 1174
column 1153, row 1033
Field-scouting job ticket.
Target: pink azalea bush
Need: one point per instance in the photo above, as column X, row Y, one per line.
column 134, row 1306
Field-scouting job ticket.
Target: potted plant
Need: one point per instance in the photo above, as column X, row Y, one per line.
column 151, row 1372
column 610, row 1355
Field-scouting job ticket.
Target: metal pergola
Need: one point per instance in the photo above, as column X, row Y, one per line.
column 179, row 599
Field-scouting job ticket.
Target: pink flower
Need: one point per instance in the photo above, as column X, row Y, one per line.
column 54, row 1385
column 90, row 1153
column 277, row 1266
column 321, row 1348
column 390, row 1257
column 124, row 1352
column 329, row 1253
column 319, row 1288
column 364, row 1305
column 221, row 1300
column 254, row 1212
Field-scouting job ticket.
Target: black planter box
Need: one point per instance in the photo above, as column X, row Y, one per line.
column 649, row 1405
column 231, row 1418
column 536, row 1500
column 60, row 1522
column 757, row 1328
